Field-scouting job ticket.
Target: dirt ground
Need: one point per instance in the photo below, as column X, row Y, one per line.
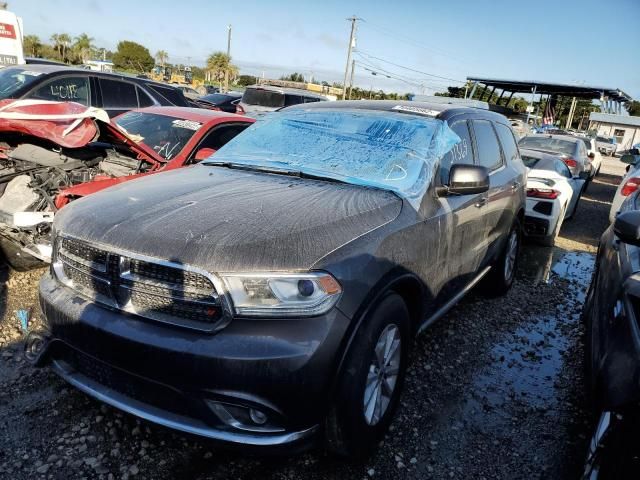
column 494, row 392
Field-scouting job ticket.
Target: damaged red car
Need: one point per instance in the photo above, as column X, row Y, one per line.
column 54, row 152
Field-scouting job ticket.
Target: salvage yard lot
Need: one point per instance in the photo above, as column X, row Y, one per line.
column 494, row 391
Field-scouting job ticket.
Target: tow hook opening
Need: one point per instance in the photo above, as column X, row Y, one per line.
column 36, row 346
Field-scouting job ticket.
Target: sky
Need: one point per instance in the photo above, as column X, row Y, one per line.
column 591, row 42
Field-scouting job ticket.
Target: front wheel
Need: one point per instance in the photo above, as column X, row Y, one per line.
column 500, row 278
column 372, row 378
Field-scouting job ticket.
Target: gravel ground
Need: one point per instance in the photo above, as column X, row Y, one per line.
column 494, row 392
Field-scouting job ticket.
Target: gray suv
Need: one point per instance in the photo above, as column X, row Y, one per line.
column 269, row 296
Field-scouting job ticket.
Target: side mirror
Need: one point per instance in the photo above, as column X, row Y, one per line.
column 591, row 155
column 627, row 227
column 204, row 153
column 468, row 180
column 629, row 159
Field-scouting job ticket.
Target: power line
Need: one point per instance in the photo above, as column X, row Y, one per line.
column 408, row 40
column 409, row 68
column 435, row 84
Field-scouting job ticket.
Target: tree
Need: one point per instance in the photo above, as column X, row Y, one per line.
column 61, row 42
column 162, row 57
column 83, row 47
column 634, row 108
column 32, row 45
column 246, row 80
column 293, row 77
column 217, row 64
column 132, row 56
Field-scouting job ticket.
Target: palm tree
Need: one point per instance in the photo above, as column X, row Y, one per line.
column 162, row 56
column 61, row 42
column 218, row 64
column 83, row 46
column 32, row 44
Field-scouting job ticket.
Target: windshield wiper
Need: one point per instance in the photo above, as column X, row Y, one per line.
column 277, row 171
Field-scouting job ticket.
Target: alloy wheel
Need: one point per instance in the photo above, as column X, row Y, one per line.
column 382, row 375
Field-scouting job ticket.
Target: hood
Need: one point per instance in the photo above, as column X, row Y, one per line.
column 67, row 124
column 227, row 220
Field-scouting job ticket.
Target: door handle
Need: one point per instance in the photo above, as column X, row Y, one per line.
column 481, row 202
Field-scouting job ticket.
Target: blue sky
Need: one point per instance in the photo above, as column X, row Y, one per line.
column 594, row 42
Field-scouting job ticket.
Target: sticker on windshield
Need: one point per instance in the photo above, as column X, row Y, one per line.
column 419, row 110
column 188, row 124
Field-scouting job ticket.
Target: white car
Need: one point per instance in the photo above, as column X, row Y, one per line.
column 552, row 195
column 593, row 153
column 630, row 184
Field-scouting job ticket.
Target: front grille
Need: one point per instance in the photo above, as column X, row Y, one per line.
column 163, row 292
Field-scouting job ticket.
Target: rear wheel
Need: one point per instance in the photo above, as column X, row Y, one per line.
column 500, row 278
column 372, row 378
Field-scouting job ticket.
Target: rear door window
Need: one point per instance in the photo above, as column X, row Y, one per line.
column 117, row 94
column 173, row 96
column 488, row 149
column 461, row 153
column 508, row 142
column 63, row 89
column 144, row 100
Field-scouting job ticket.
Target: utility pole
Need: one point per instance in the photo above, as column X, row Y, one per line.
column 353, row 19
column 353, row 67
column 226, row 72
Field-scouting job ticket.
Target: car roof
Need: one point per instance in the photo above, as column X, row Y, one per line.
column 49, row 69
column 569, row 138
column 421, row 109
column 201, row 115
column 291, row 91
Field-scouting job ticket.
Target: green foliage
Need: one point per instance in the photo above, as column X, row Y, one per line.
column 32, row 45
column 634, row 108
column 293, row 77
column 246, row 80
column 162, row 57
column 218, row 64
column 83, row 48
column 133, row 56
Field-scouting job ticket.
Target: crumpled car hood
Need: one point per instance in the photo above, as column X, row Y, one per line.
column 229, row 220
column 67, row 124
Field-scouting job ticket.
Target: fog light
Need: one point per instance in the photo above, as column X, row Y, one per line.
column 257, row 416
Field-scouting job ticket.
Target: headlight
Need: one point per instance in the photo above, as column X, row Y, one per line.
column 282, row 294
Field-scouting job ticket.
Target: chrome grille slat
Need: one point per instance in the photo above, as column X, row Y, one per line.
column 163, row 292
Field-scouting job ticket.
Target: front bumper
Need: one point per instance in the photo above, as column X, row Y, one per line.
column 173, row 376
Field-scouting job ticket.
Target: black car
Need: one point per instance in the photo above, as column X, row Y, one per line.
column 270, row 295
column 612, row 348
column 227, row 102
column 115, row 93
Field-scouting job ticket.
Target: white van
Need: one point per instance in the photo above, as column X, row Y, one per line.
column 10, row 39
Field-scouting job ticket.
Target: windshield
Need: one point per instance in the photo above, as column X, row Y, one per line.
column 263, row 98
column 549, row 144
column 166, row 135
column 605, row 140
column 12, row 79
column 389, row 150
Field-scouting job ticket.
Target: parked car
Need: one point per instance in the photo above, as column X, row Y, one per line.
column 189, row 92
column 606, row 145
column 112, row 92
column 553, row 194
column 520, row 127
column 612, row 348
column 593, row 153
column 630, row 183
column 270, row 296
column 570, row 149
column 226, row 102
column 42, row 169
column 260, row 99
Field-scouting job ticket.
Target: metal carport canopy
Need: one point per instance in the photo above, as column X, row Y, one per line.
column 546, row 88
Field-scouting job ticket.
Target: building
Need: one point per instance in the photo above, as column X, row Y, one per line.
column 624, row 128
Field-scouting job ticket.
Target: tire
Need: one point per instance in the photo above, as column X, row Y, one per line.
column 550, row 240
column 498, row 281
column 352, row 429
column 16, row 258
